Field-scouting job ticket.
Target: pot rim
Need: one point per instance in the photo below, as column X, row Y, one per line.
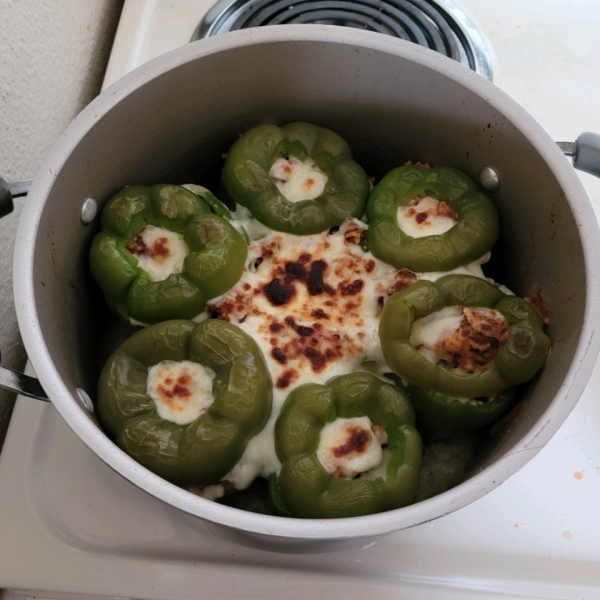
column 279, row 527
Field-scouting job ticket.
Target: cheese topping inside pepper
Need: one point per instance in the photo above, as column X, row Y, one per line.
column 297, row 180
column 181, row 391
column 462, row 340
column 426, row 216
column 159, row 252
column 349, row 447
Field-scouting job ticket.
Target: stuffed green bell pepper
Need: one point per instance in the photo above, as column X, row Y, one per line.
column 183, row 399
column 429, row 219
column 347, row 448
column 299, row 178
column 161, row 253
column 440, row 416
column 461, row 336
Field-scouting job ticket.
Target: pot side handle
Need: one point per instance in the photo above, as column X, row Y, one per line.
column 10, row 190
column 585, row 152
column 22, row 384
column 9, row 379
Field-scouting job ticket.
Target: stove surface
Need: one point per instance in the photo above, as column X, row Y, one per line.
column 76, row 527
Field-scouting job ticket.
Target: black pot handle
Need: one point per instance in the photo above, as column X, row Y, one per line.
column 9, row 379
column 585, row 152
column 22, row 384
column 11, row 190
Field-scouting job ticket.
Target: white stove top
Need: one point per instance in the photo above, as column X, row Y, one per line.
column 70, row 525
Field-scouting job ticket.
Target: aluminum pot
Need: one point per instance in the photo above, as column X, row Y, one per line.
column 393, row 101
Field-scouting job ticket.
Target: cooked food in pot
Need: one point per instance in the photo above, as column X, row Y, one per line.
column 342, row 333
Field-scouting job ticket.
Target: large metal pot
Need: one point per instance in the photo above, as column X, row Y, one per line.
column 393, row 101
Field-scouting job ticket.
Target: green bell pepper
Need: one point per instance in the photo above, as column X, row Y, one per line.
column 203, row 451
column 246, row 177
column 305, row 488
column 214, row 263
column 524, row 353
column 217, row 207
column 474, row 234
column 440, row 416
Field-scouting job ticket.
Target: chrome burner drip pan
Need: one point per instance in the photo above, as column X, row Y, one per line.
column 436, row 24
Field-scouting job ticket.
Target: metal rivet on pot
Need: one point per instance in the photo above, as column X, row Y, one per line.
column 489, row 179
column 89, row 210
column 86, row 400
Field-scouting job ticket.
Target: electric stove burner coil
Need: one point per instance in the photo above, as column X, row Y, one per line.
column 439, row 25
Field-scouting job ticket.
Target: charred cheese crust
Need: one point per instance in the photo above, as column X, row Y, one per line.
column 312, row 303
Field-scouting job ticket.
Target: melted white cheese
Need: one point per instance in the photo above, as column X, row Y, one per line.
column 254, row 229
column 336, row 453
column 381, row 470
column 166, row 252
column 357, row 328
column 431, row 224
column 297, row 180
column 209, row 492
column 474, row 269
column 181, row 391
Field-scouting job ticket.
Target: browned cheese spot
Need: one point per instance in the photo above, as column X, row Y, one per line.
column 351, row 289
column 402, row 279
column 319, row 313
column 315, row 282
column 279, row 355
column 288, row 377
column 357, row 441
column 175, row 390
column 160, row 248
column 279, row 291
column 353, row 234
column 445, row 210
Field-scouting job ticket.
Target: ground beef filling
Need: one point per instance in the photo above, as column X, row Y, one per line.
column 158, row 250
column 475, row 344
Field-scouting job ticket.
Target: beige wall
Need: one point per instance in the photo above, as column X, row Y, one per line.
column 52, row 60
